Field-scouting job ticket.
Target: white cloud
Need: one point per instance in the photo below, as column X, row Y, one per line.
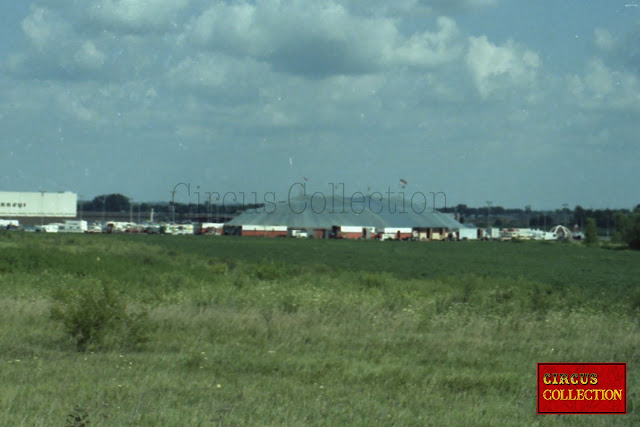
column 456, row 6
column 413, row 8
column 230, row 27
column 499, row 68
column 89, row 57
column 602, row 87
column 221, row 78
column 138, row 15
column 321, row 39
column 430, row 48
column 603, row 39
column 599, row 79
column 42, row 27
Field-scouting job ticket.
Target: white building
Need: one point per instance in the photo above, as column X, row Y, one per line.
column 38, row 204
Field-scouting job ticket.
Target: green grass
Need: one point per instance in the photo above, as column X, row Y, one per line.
column 311, row 332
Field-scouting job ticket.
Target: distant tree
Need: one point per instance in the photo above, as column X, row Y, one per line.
column 632, row 237
column 579, row 215
column 117, row 203
column 498, row 210
column 621, row 225
column 108, row 202
column 591, row 232
column 627, row 228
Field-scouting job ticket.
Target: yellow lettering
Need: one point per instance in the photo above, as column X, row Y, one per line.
column 574, row 379
column 545, row 394
column 547, row 379
column 580, row 394
column 564, row 379
column 617, row 394
column 594, row 379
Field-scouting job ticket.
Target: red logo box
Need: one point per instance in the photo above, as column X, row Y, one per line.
column 582, row 388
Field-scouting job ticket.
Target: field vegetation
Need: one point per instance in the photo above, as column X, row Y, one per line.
column 190, row 330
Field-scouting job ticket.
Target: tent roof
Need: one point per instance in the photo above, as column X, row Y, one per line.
column 306, row 212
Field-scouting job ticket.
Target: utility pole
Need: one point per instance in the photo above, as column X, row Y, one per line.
column 104, row 208
column 565, row 208
column 489, row 203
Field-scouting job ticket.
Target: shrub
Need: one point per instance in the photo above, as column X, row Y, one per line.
column 373, row 280
column 268, row 271
column 92, row 317
column 78, row 417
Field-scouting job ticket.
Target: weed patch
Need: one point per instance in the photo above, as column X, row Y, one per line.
column 94, row 317
column 268, row 270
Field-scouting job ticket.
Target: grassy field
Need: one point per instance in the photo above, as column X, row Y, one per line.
column 189, row 330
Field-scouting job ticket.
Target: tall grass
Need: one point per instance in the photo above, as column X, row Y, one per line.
column 246, row 332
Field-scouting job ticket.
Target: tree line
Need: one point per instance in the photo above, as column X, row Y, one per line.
column 120, row 203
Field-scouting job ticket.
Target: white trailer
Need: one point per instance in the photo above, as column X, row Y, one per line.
column 468, row 234
column 72, row 226
column 542, row 235
column 119, row 227
column 182, row 229
column 394, row 233
column 517, row 233
column 49, row 228
column 9, row 223
column 299, row 234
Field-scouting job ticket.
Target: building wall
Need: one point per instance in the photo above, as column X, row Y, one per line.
column 351, row 235
column 38, row 204
column 320, row 233
column 268, row 233
column 431, row 233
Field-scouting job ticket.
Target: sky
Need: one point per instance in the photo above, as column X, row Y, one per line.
column 517, row 102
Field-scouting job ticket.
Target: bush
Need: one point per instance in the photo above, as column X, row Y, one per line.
column 373, row 280
column 268, row 271
column 94, row 317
